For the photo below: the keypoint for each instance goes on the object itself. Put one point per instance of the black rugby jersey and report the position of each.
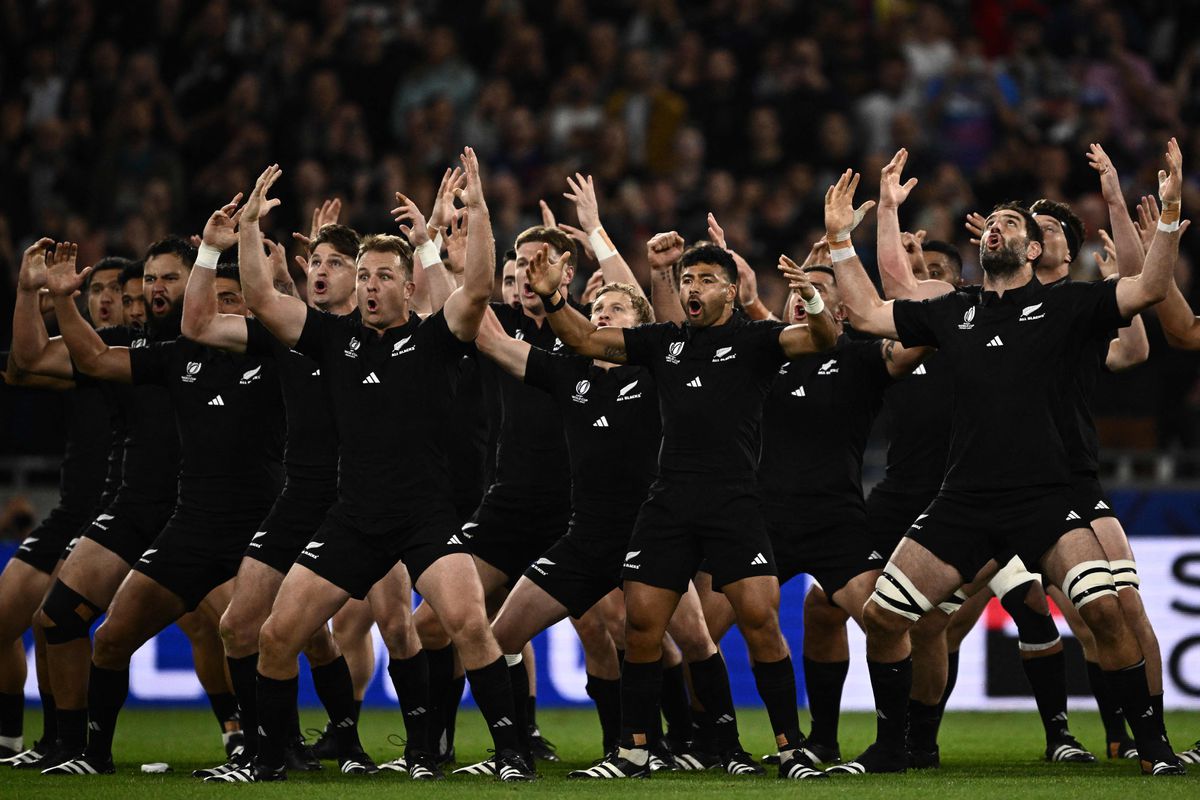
(916, 413)
(815, 425)
(150, 462)
(310, 456)
(712, 382)
(532, 464)
(612, 427)
(231, 425)
(1014, 360)
(392, 397)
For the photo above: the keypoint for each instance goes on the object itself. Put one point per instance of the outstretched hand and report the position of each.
(220, 231)
(472, 195)
(325, 214)
(32, 276)
(893, 193)
(544, 273)
(1170, 180)
(61, 278)
(974, 224)
(841, 217)
(583, 195)
(417, 232)
(1110, 182)
(797, 278)
(1106, 263)
(259, 205)
(443, 202)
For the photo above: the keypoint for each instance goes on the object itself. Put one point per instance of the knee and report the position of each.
(236, 635)
(274, 640)
(880, 622)
(321, 648)
(66, 615)
(1103, 617)
(110, 647)
(693, 641)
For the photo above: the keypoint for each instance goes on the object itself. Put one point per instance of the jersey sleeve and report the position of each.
(152, 364)
(1096, 304)
(644, 344)
(874, 370)
(767, 349)
(435, 331)
(314, 338)
(259, 341)
(916, 321)
(549, 371)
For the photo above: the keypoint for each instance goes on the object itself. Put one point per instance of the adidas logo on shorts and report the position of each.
(454, 540)
(758, 561)
(1101, 506)
(1072, 515)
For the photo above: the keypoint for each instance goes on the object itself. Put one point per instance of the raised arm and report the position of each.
(465, 306)
(284, 315)
(90, 353)
(33, 351)
(612, 265)
(1139, 293)
(662, 251)
(895, 267)
(868, 313)
(1127, 243)
(574, 329)
(201, 322)
(494, 342)
(433, 281)
(1130, 347)
(747, 279)
(820, 331)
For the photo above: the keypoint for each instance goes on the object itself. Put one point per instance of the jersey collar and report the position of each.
(1016, 295)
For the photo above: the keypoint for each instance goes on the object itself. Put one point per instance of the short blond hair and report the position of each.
(388, 243)
(645, 313)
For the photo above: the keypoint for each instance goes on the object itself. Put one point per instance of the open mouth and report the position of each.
(372, 304)
(799, 314)
(527, 290)
(319, 286)
(694, 307)
(159, 304)
(993, 240)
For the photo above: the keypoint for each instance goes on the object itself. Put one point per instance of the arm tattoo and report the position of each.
(888, 347)
(614, 351)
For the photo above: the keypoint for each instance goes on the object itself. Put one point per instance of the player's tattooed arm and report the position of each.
(901, 360)
(282, 314)
(467, 304)
(201, 322)
(662, 251)
(33, 350)
(574, 329)
(89, 352)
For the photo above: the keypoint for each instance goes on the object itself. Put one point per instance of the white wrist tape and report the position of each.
(428, 255)
(1168, 227)
(842, 254)
(601, 244)
(438, 242)
(207, 256)
(844, 234)
(814, 306)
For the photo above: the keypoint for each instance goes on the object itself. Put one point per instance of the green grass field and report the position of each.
(984, 756)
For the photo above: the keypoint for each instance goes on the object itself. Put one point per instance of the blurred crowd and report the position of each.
(121, 122)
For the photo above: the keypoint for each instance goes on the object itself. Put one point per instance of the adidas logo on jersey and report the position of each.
(995, 342)
(1027, 313)
(695, 382)
(601, 423)
(799, 392)
(250, 375)
(830, 367)
(371, 378)
(723, 354)
(624, 392)
(216, 401)
(758, 561)
(673, 352)
(398, 349)
(920, 370)
(875, 556)
(1072, 515)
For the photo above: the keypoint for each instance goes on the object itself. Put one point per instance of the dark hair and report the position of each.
(708, 253)
(509, 255)
(341, 238)
(946, 249)
(641, 306)
(229, 270)
(551, 236)
(135, 269)
(176, 246)
(387, 243)
(823, 268)
(1073, 228)
(107, 263)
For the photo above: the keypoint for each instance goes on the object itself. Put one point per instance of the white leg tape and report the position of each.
(896, 593)
(1010, 576)
(1088, 580)
(953, 602)
(1036, 648)
(1125, 574)
(512, 661)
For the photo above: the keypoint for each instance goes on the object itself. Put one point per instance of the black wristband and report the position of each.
(548, 304)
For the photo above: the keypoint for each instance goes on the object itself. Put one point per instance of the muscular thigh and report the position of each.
(94, 571)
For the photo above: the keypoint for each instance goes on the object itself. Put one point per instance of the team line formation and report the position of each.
(278, 474)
